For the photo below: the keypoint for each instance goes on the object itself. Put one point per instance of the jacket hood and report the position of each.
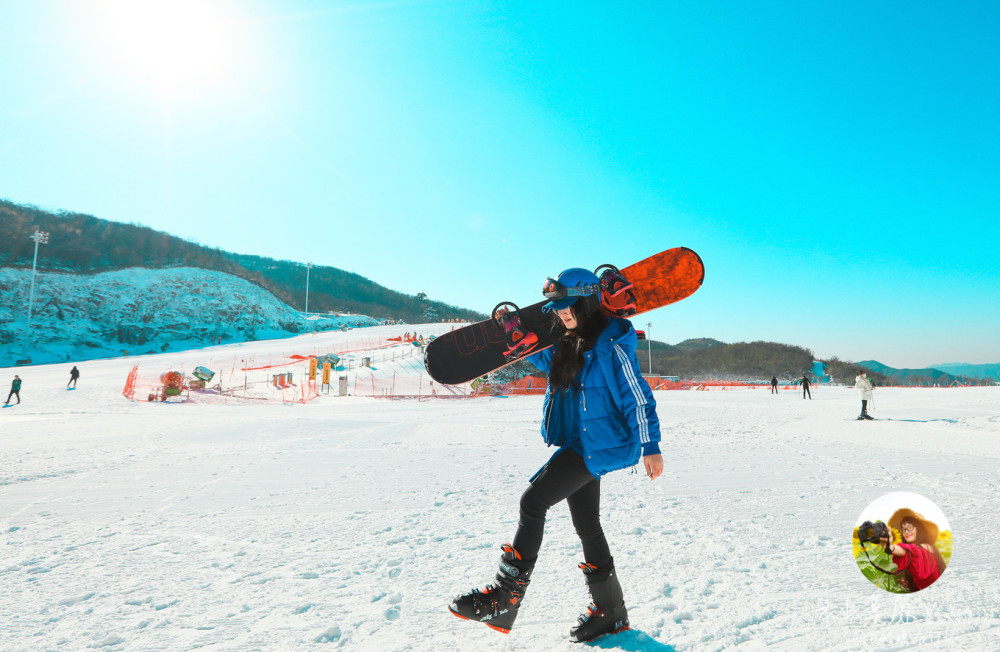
(619, 331)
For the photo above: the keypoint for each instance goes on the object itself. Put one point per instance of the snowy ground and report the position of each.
(351, 522)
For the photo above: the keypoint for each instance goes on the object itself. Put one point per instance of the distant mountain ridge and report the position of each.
(85, 244)
(926, 376)
(709, 359)
(990, 371)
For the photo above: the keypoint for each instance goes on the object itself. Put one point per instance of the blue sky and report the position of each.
(837, 165)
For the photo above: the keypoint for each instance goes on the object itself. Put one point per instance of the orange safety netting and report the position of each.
(723, 385)
(294, 378)
(129, 391)
(347, 348)
(526, 386)
(227, 386)
(384, 368)
(536, 385)
(406, 386)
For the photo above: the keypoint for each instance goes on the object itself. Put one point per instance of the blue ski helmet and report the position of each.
(573, 283)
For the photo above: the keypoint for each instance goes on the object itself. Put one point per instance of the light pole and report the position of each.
(308, 267)
(649, 345)
(40, 237)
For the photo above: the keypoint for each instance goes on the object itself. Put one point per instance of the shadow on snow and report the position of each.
(632, 640)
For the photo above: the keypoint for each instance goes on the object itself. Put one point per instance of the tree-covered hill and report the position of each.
(708, 359)
(86, 244)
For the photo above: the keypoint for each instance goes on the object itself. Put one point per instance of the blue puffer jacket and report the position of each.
(616, 408)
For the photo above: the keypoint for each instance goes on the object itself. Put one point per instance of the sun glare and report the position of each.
(170, 43)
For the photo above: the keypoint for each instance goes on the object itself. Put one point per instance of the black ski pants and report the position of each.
(16, 393)
(564, 478)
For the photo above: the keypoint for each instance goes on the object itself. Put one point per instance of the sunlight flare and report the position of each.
(170, 44)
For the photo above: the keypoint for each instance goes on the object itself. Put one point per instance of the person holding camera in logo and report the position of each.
(916, 555)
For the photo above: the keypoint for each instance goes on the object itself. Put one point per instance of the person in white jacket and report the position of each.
(864, 387)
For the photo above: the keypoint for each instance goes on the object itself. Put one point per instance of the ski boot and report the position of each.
(520, 341)
(496, 605)
(616, 291)
(606, 614)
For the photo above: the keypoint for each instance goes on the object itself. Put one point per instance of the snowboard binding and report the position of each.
(519, 340)
(616, 292)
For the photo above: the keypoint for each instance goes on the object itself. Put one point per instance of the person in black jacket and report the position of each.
(74, 374)
(15, 390)
(805, 388)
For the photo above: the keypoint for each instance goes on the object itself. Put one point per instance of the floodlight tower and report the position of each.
(308, 267)
(40, 237)
(649, 345)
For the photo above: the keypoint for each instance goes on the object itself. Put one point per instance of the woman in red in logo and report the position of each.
(917, 555)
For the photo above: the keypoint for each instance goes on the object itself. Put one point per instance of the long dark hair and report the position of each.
(567, 359)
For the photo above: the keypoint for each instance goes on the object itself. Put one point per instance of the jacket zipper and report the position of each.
(548, 427)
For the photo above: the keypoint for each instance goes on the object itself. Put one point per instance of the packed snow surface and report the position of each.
(351, 522)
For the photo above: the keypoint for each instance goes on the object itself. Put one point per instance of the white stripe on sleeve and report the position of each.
(640, 398)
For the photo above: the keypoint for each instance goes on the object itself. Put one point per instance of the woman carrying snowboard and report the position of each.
(601, 414)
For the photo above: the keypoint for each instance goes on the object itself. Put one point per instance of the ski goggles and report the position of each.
(554, 290)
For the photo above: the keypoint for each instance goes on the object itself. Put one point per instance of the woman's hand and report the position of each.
(891, 549)
(654, 465)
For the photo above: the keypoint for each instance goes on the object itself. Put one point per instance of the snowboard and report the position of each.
(475, 350)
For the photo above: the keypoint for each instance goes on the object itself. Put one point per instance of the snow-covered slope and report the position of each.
(82, 317)
(349, 523)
